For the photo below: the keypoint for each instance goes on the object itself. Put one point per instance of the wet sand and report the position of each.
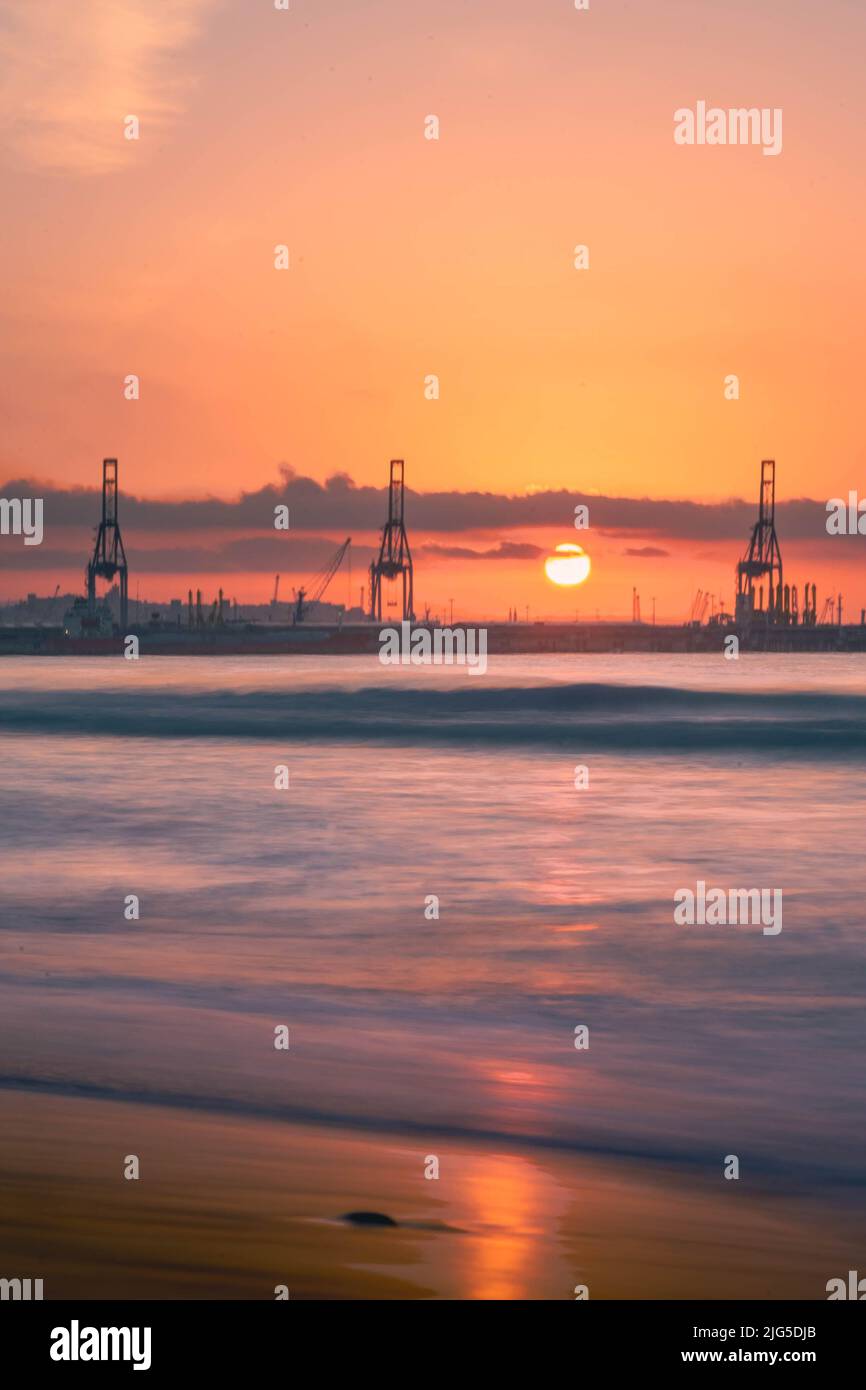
(229, 1208)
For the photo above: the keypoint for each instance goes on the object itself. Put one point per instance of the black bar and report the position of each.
(230, 1339)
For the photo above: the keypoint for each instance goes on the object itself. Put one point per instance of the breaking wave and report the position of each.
(621, 718)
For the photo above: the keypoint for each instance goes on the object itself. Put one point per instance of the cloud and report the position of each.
(340, 505)
(237, 534)
(241, 555)
(505, 550)
(72, 72)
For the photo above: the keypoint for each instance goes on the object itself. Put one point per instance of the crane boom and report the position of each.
(321, 581)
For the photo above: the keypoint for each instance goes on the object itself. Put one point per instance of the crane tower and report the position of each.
(395, 557)
(763, 559)
(109, 557)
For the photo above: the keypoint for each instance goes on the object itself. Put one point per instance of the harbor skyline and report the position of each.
(486, 550)
(155, 258)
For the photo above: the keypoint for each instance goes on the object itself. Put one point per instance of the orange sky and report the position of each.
(452, 257)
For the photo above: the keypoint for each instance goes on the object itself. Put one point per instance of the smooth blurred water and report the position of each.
(307, 906)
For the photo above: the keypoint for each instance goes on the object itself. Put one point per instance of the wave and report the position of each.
(841, 1170)
(620, 718)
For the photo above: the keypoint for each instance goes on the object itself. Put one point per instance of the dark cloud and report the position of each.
(271, 554)
(193, 535)
(506, 550)
(647, 552)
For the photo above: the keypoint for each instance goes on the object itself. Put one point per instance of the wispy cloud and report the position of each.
(72, 72)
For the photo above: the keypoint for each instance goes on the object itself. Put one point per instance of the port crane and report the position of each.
(320, 583)
(699, 607)
(827, 611)
(109, 557)
(395, 557)
(763, 560)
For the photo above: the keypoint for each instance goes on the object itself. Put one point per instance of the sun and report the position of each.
(569, 565)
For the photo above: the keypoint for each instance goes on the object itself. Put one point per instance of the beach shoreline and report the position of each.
(235, 1209)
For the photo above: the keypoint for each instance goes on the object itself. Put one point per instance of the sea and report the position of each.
(365, 982)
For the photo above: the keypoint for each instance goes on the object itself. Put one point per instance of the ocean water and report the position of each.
(412, 1034)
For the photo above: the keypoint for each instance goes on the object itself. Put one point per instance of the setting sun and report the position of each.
(569, 565)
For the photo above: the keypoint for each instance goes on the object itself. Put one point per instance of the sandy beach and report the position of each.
(225, 1209)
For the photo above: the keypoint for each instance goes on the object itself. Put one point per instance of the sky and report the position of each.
(411, 257)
